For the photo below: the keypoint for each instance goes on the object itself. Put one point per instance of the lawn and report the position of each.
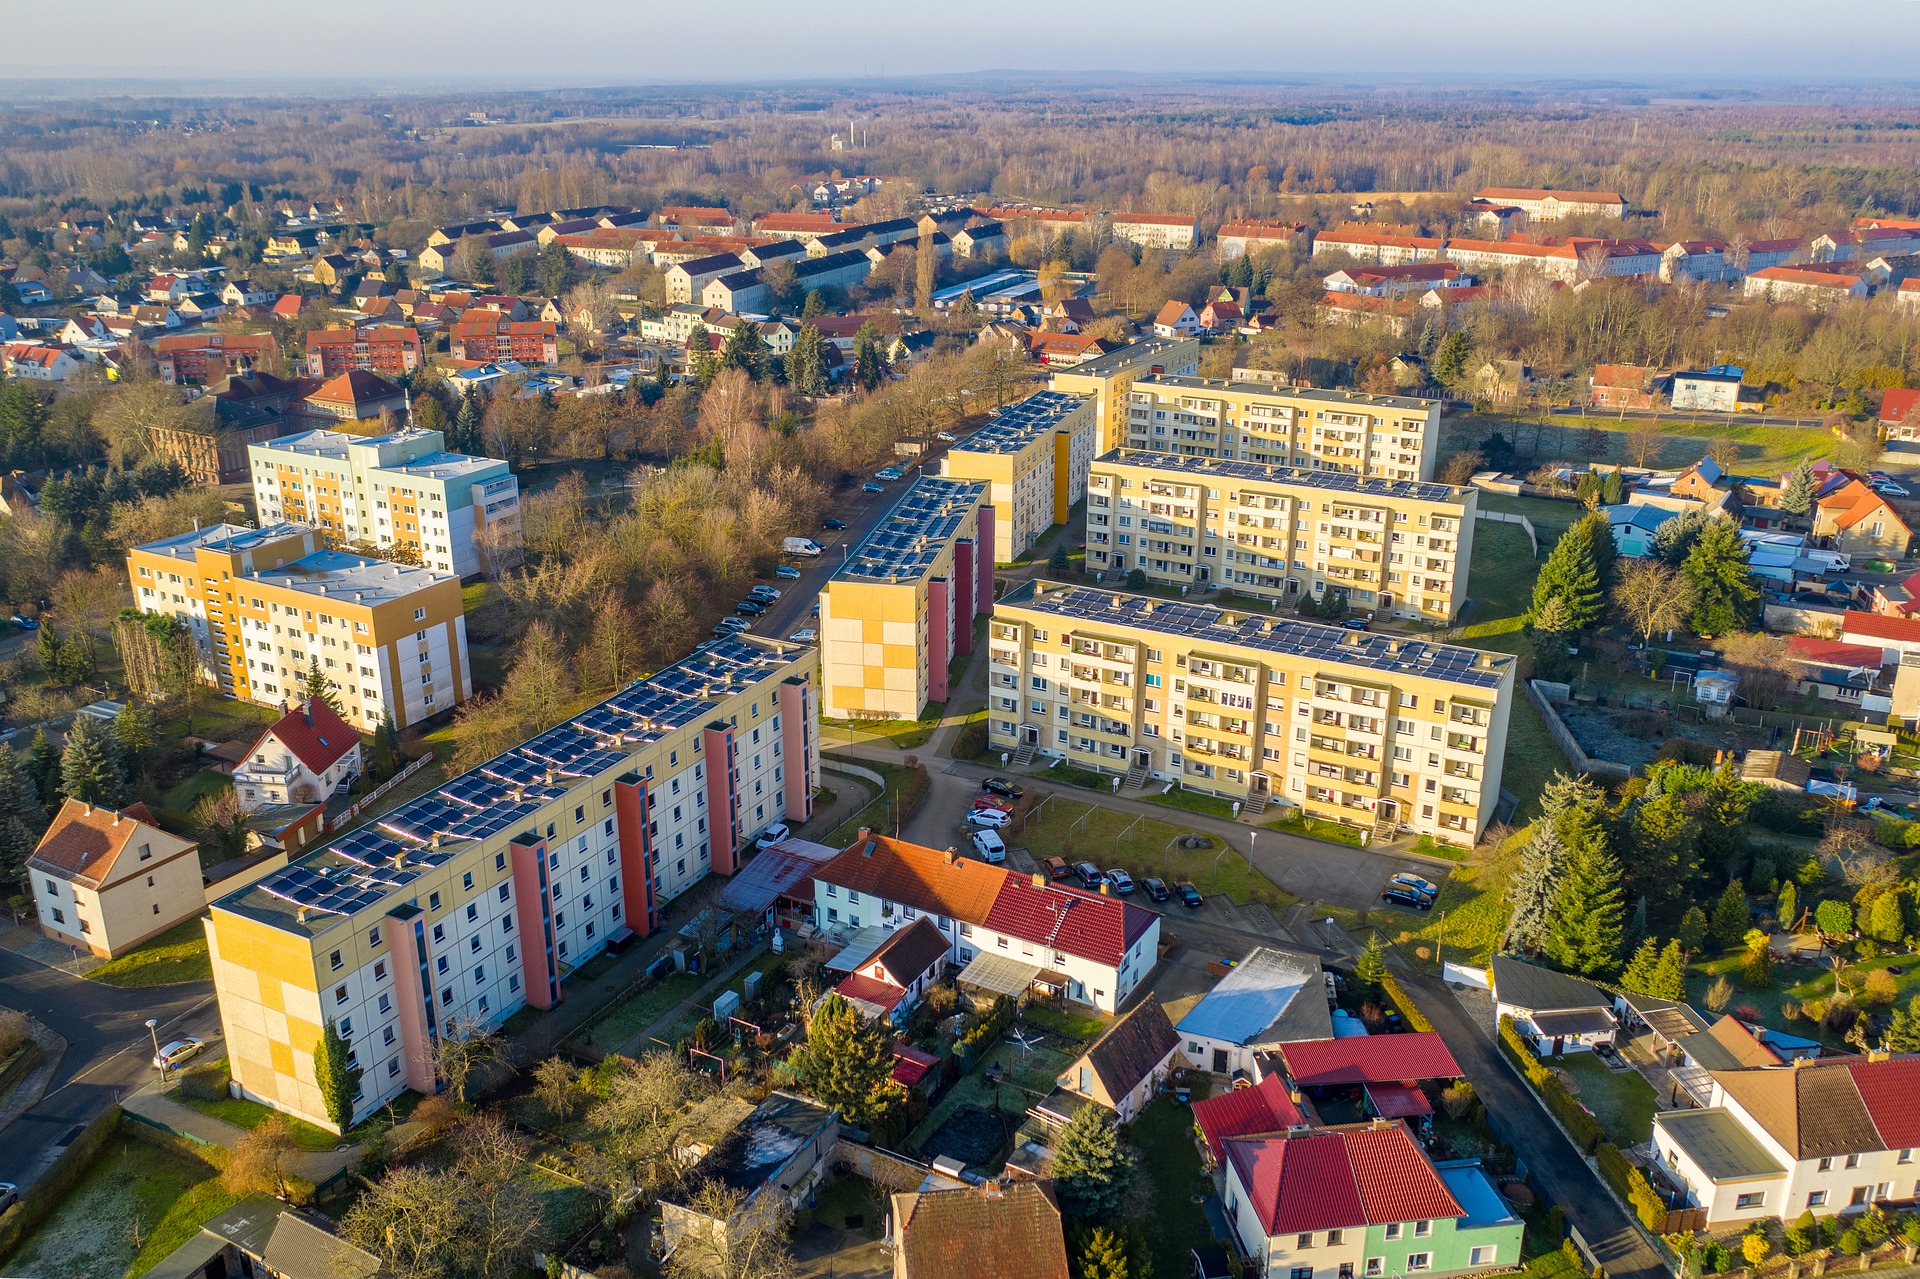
(1316, 828)
(1798, 983)
(1194, 802)
(1470, 915)
(1170, 1165)
(136, 1204)
(1623, 1101)
(906, 734)
(1758, 448)
(642, 1008)
(177, 955)
(242, 1113)
(1076, 830)
(221, 719)
(879, 814)
(181, 797)
(1074, 1025)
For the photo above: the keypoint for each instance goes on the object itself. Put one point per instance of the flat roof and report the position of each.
(336, 573)
(1319, 395)
(1188, 464)
(1293, 637)
(445, 466)
(333, 444)
(1255, 995)
(1719, 1145)
(1480, 1203)
(910, 537)
(1126, 357)
(364, 866)
(228, 538)
(1016, 426)
(777, 1130)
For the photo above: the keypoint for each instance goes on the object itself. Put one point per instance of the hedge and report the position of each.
(914, 793)
(980, 1037)
(1631, 1184)
(1398, 1001)
(1581, 1126)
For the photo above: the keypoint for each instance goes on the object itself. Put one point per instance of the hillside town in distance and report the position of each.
(658, 687)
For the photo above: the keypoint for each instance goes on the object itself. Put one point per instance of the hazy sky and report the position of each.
(645, 41)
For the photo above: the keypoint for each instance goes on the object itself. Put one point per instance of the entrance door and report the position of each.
(1559, 1044)
(1388, 810)
(1219, 1061)
(1142, 757)
(1260, 783)
(1032, 734)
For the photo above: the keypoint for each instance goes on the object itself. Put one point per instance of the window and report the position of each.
(1376, 1266)
(1395, 1229)
(505, 891)
(1303, 1240)
(1906, 1155)
(1817, 1198)
(380, 971)
(433, 901)
(1421, 1229)
(1853, 1161)
(1751, 1200)
(1335, 1237)
(1419, 1261)
(1487, 1254)
(386, 1036)
(1303, 1272)
(1826, 1165)
(393, 1068)
(386, 1004)
(339, 994)
(333, 961)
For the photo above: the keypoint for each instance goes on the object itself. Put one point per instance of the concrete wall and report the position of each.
(1563, 737)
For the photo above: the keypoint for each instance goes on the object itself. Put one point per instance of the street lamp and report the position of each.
(153, 1029)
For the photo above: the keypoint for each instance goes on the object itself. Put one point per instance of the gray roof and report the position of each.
(759, 883)
(1351, 400)
(1536, 989)
(1270, 997)
(1212, 468)
(1014, 427)
(1719, 1145)
(1428, 659)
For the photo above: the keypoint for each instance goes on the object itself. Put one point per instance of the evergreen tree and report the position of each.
(384, 759)
(1571, 574)
(1903, 1031)
(90, 765)
(43, 768)
(1588, 489)
(700, 365)
(1605, 555)
(1717, 567)
(847, 1062)
(22, 817)
(338, 1081)
(1729, 922)
(1429, 340)
(1723, 819)
(816, 304)
(1565, 792)
(1638, 979)
(807, 362)
(48, 648)
(1756, 968)
(466, 426)
(1450, 359)
(745, 349)
(1584, 933)
(1636, 924)
(1542, 865)
(1105, 1253)
(554, 267)
(1886, 922)
(1693, 930)
(1797, 497)
(869, 357)
(1612, 490)
(1670, 974)
(1662, 853)
(1788, 907)
(1674, 539)
(1091, 1169)
(318, 688)
(1369, 976)
(965, 307)
(133, 729)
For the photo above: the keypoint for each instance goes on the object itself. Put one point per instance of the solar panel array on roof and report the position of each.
(1331, 397)
(361, 867)
(1311, 640)
(1015, 426)
(1326, 481)
(910, 537)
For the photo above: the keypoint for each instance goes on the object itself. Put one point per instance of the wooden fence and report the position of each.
(378, 793)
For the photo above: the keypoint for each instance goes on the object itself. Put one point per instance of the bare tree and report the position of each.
(754, 1246)
(1767, 671)
(1643, 442)
(259, 1161)
(1652, 596)
(465, 1045)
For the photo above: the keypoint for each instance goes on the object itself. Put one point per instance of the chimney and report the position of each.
(991, 1190)
(306, 712)
(300, 914)
(1039, 880)
(861, 838)
(88, 807)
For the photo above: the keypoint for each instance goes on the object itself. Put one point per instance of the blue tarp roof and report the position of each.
(1259, 991)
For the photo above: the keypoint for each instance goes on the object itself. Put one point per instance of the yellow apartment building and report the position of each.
(263, 604)
(1377, 731)
(1392, 437)
(1109, 377)
(464, 905)
(902, 605)
(1034, 457)
(1394, 547)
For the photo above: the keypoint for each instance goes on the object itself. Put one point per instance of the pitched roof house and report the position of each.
(1176, 319)
(1269, 998)
(105, 880)
(894, 978)
(1270, 1106)
(1851, 517)
(1554, 1012)
(1010, 1230)
(1121, 1069)
(307, 756)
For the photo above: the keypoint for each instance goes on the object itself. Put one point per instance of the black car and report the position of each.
(1394, 896)
(750, 608)
(1188, 894)
(833, 524)
(1002, 787)
(1156, 888)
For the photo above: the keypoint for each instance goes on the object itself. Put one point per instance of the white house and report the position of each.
(1826, 1134)
(1009, 932)
(105, 880)
(1177, 320)
(1268, 999)
(892, 980)
(1122, 1069)
(1552, 1011)
(306, 757)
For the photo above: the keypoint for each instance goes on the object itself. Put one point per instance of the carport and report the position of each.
(996, 975)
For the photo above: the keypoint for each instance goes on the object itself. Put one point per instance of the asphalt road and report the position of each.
(109, 1050)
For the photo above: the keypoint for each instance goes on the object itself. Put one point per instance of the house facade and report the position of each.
(105, 880)
(305, 758)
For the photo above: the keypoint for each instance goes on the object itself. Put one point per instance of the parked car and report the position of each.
(1189, 895)
(1425, 887)
(992, 849)
(1397, 896)
(1121, 881)
(805, 635)
(733, 623)
(787, 571)
(946, 437)
(9, 1195)
(992, 818)
(1002, 787)
(764, 593)
(24, 622)
(750, 608)
(833, 524)
(1089, 874)
(773, 834)
(1056, 867)
(726, 632)
(994, 802)
(1156, 888)
(1887, 488)
(888, 473)
(873, 486)
(180, 1050)
(1355, 623)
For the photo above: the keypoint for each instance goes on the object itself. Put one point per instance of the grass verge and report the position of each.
(1623, 1101)
(1076, 830)
(1205, 805)
(135, 1198)
(242, 1113)
(877, 815)
(177, 955)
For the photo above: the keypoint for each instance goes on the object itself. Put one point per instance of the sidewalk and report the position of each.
(30, 943)
(28, 1092)
(701, 998)
(152, 1104)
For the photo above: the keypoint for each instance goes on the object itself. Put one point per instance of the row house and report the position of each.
(1373, 246)
(1156, 230)
(1864, 242)
(1242, 236)
(1390, 281)
(615, 248)
(37, 362)
(1570, 260)
(197, 359)
(1806, 286)
(392, 350)
(1544, 204)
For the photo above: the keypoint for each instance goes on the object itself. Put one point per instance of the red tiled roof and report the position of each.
(1803, 275)
(1266, 1107)
(923, 878)
(1396, 1179)
(1903, 630)
(1367, 1059)
(317, 736)
(1090, 925)
(1891, 1091)
(1832, 652)
(1630, 376)
(1257, 229)
(1171, 312)
(1898, 404)
(355, 386)
(85, 840)
(883, 995)
(1299, 1183)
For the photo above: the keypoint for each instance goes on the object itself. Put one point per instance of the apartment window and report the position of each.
(499, 861)
(1853, 1161)
(1753, 1199)
(1303, 1272)
(466, 881)
(1906, 1155)
(1421, 1229)
(1335, 1237)
(1817, 1198)
(386, 1036)
(1376, 1266)
(473, 911)
(1826, 1165)
(1419, 1261)
(419, 614)
(386, 1004)
(380, 971)
(433, 901)
(333, 961)
(1304, 1241)
(505, 891)
(1395, 1229)
(339, 994)
(1486, 1254)
(393, 1067)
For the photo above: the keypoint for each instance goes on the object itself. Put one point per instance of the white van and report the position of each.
(992, 849)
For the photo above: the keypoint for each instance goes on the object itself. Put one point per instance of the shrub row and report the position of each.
(1581, 1126)
(1631, 1184)
(914, 793)
(1398, 1001)
(982, 1034)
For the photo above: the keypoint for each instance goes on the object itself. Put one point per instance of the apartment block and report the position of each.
(1034, 456)
(1109, 377)
(895, 614)
(392, 350)
(449, 511)
(1395, 547)
(464, 905)
(263, 604)
(1392, 437)
(1377, 731)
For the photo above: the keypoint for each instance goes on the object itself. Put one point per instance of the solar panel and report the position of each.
(1191, 466)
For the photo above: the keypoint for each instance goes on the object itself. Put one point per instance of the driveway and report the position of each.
(1557, 1169)
(108, 1050)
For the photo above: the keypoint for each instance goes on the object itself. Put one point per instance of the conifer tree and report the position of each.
(318, 688)
(133, 728)
(807, 362)
(90, 765)
(1788, 906)
(43, 767)
(1670, 974)
(1903, 1031)
(1886, 921)
(847, 1063)
(1717, 567)
(1605, 555)
(1729, 922)
(1370, 970)
(1531, 893)
(1636, 925)
(1638, 978)
(1797, 497)
(1612, 488)
(1583, 935)
(869, 357)
(1693, 930)
(1091, 1170)
(1570, 574)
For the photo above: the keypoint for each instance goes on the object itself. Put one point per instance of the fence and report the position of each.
(378, 793)
(1563, 737)
(1507, 517)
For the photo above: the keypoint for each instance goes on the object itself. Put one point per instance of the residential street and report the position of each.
(108, 1050)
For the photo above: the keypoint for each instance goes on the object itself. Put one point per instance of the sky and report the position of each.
(621, 42)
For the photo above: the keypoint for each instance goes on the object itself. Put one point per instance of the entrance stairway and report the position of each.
(1256, 804)
(1136, 778)
(1023, 756)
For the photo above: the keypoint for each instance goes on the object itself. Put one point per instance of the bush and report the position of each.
(1802, 1236)
(15, 1030)
(1581, 1126)
(971, 741)
(1458, 1099)
(205, 1082)
(1881, 987)
(914, 793)
(1834, 917)
(1398, 1001)
(1632, 1185)
(1850, 1241)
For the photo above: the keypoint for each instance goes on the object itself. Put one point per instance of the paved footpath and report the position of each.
(152, 1103)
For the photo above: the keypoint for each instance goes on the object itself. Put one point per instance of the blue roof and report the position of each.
(1480, 1203)
(1256, 994)
(1638, 515)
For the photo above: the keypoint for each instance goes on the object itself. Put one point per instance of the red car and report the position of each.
(994, 802)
